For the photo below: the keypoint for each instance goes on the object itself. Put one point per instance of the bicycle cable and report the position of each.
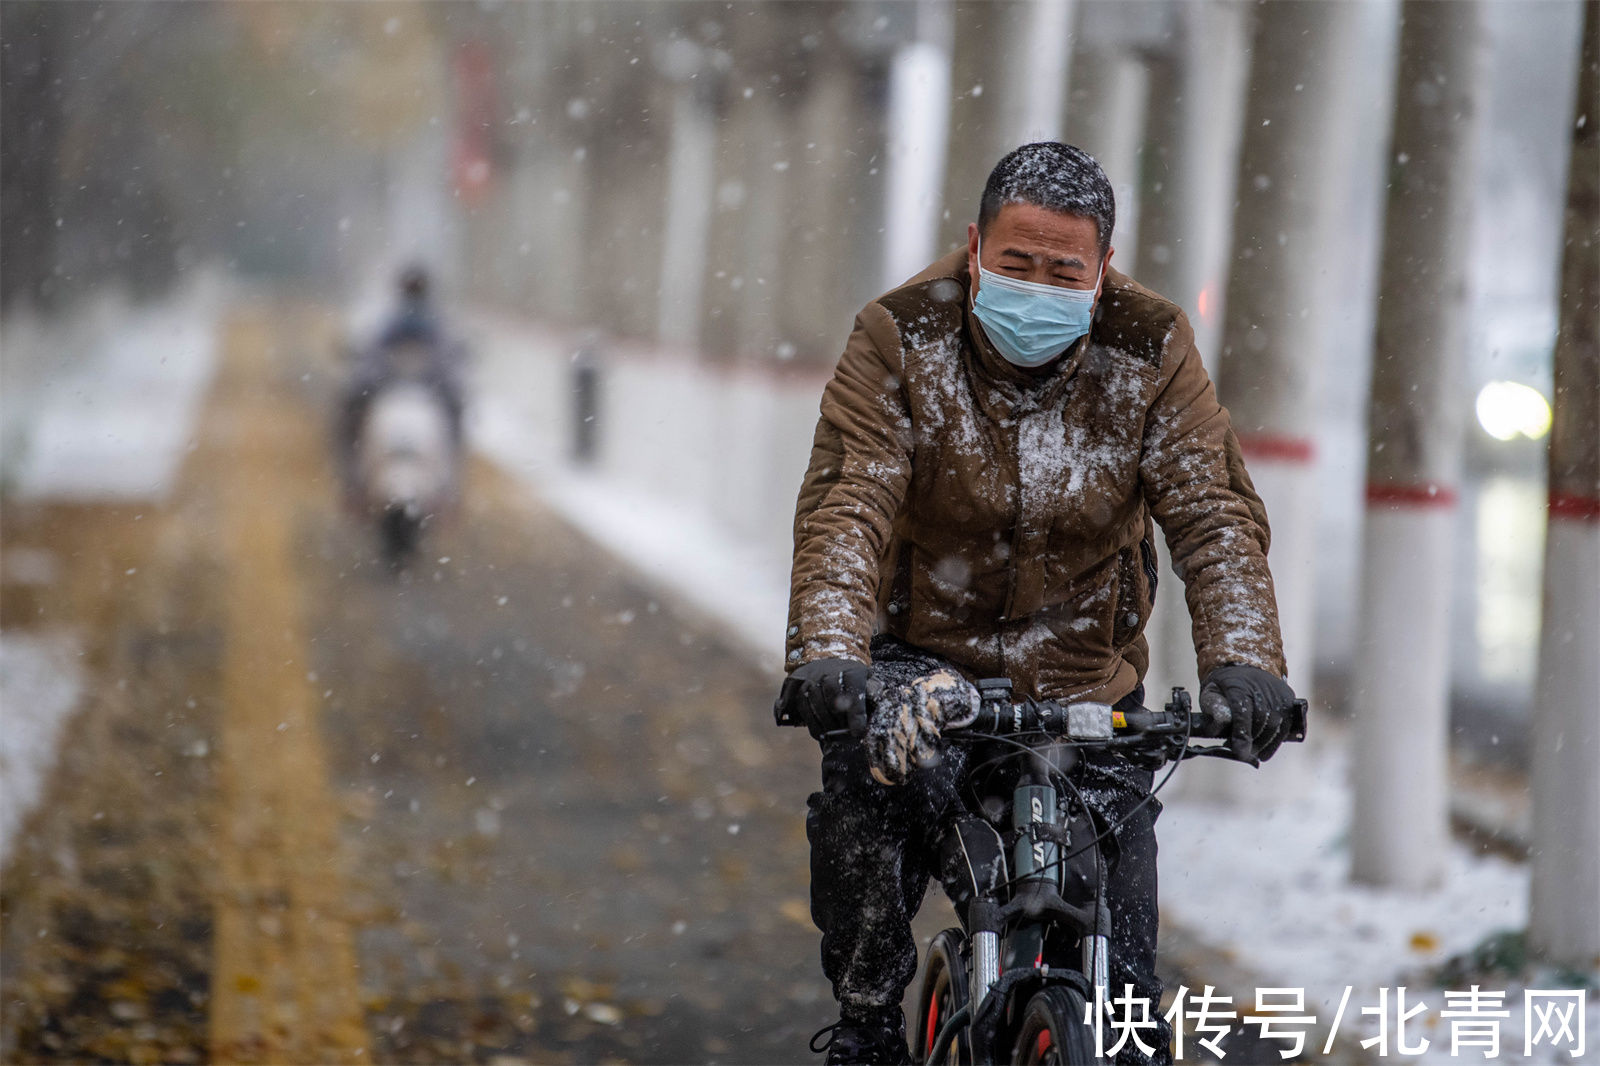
(1100, 887)
(1051, 771)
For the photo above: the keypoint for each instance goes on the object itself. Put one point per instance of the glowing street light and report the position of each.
(1509, 409)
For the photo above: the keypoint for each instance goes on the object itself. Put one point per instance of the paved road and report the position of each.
(505, 806)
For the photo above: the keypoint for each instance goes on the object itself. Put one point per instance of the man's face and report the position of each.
(1036, 244)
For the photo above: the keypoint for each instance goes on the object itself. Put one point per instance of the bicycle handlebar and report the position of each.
(1089, 722)
(1097, 724)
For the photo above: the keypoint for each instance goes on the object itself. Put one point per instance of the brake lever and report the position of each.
(783, 707)
(1297, 722)
(1219, 751)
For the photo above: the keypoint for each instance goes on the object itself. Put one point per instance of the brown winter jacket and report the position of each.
(1004, 521)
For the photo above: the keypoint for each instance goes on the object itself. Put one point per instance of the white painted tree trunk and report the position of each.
(1175, 131)
(691, 192)
(1401, 740)
(1279, 289)
(1009, 68)
(1564, 899)
(1106, 119)
(1399, 745)
(1286, 192)
(1219, 46)
(918, 124)
(1037, 62)
(1564, 896)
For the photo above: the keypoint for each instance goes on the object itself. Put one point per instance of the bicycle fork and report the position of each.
(985, 964)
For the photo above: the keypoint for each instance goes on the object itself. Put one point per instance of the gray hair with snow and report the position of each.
(1055, 176)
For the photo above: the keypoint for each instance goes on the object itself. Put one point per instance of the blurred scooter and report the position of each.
(398, 426)
(406, 461)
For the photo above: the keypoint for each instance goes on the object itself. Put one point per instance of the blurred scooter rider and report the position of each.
(414, 320)
(1000, 438)
(414, 346)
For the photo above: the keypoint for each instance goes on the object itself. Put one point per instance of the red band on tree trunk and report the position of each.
(1571, 505)
(1427, 494)
(1278, 448)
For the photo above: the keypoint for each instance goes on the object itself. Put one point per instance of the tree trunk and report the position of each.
(817, 300)
(1400, 830)
(1009, 88)
(1279, 297)
(1036, 87)
(1191, 141)
(691, 192)
(1564, 903)
(31, 107)
(1105, 118)
(919, 124)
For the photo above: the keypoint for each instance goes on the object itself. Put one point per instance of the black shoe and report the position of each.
(881, 1042)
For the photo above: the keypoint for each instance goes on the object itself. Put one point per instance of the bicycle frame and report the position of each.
(1016, 924)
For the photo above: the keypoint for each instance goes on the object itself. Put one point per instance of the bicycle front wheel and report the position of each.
(942, 994)
(1054, 1032)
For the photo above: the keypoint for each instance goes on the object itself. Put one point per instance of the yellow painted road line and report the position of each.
(285, 984)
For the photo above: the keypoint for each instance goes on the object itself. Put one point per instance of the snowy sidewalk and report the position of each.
(105, 401)
(99, 406)
(41, 682)
(1269, 885)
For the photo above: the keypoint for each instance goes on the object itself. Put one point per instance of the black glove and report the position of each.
(1259, 704)
(830, 694)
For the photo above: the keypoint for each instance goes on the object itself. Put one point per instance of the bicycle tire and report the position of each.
(1053, 1031)
(942, 992)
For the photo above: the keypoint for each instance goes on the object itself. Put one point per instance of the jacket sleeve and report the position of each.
(860, 468)
(1196, 486)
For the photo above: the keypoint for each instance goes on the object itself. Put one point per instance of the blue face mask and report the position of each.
(1029, 323)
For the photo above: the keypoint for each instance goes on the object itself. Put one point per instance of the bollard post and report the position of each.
(585, 406)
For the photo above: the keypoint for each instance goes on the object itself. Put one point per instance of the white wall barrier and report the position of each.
(695, 470)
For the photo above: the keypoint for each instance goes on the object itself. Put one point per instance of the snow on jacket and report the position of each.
(1003, 521)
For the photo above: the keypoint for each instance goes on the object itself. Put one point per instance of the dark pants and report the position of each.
(874, 847)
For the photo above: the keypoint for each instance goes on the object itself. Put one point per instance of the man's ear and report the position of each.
(972, 255)
(1104, 264)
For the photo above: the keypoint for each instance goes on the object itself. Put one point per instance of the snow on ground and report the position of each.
(1270, 884)
(99, 405)
(40, 685)
(105, 402)
(1273, 882)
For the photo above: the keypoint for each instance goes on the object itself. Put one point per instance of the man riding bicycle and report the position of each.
(999, 439)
